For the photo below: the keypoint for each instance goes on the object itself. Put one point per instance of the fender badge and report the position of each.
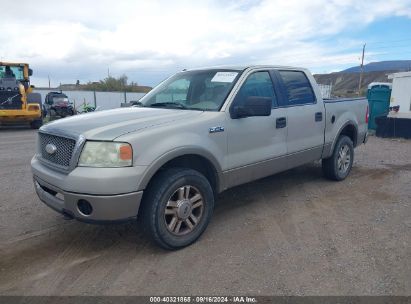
(216, 129)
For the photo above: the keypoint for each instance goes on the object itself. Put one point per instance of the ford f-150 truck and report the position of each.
(196, 134)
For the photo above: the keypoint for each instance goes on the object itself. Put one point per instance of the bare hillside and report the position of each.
(346, 84)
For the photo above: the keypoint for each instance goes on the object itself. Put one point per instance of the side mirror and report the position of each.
(252, 106)
(30, 72)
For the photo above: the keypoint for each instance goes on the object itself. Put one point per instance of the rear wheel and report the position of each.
(177, 207)
(36, 124)
(339, 165)
(70, 111)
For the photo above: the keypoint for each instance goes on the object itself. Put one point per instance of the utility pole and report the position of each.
(362, 69)
(48, 76)
(108, 72)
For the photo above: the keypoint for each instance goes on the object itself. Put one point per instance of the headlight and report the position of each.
(106, 154)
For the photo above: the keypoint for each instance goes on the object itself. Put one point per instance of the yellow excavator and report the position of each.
(18, 103)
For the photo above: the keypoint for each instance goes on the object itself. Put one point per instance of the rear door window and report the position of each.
(298, 88)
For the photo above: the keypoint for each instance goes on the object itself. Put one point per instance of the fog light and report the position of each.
(84, 207)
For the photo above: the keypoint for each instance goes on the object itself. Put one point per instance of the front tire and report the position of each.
(177, 207)
(339, 165)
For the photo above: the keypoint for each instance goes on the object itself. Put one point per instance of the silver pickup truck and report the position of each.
(193, 136)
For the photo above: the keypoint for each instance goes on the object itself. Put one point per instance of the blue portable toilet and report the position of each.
(378, 96)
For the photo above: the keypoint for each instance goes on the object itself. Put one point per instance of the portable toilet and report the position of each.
(379, 102)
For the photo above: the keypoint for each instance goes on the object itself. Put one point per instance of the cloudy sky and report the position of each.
(148, 40)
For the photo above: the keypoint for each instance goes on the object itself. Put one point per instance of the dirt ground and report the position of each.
(294, 233)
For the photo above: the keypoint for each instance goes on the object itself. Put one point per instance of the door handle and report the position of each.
(318, 116)
(280, 122)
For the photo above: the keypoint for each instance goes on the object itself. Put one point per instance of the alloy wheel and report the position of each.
(184, 210)
(344, 159)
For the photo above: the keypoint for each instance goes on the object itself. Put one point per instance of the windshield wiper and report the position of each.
(137, 104)
(172, 104)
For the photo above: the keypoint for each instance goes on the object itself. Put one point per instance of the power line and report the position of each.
(391, 46)
(389, 41)
(386, 52)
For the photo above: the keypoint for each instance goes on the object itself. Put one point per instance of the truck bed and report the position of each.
(340, 111)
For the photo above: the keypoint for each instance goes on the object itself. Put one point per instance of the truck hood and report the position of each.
(110, 124)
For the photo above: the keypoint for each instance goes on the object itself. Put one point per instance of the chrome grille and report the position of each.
(64, 152)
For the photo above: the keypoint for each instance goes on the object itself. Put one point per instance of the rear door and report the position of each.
(306, 117)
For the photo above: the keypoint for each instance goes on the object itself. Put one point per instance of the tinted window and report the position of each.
(257, 84)
(298, 88)
(11, 72)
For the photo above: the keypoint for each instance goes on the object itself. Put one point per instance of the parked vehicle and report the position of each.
(57, 104)
(195, 135)
(18, 103)
(87, 108)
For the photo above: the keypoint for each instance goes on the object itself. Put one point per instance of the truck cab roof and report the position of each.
(244, 67)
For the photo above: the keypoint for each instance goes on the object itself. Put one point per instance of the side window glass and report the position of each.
(257, 84)
(298, 87)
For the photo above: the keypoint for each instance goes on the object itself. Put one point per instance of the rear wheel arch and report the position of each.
(348, 129)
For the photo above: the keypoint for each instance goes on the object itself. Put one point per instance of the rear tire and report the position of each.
(177, 207)
(70, 112)
(36, 124)
(339, 165)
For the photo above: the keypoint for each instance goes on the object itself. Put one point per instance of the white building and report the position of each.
(401, 91)
(325, 90)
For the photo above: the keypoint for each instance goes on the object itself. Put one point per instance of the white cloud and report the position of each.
(79, 40)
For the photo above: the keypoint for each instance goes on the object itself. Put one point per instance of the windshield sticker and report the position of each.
(224, 77)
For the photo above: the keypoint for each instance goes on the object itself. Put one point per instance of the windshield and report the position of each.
(15, 72)
(203, 90)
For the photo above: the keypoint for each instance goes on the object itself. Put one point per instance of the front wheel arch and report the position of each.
(190, 159)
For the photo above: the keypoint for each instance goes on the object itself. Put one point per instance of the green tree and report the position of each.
(111, 83)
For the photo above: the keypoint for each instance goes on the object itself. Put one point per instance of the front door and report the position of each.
(256, 144)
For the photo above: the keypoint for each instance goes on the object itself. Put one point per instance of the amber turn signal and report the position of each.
(126, 153)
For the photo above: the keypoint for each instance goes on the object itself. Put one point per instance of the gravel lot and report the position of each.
(290, 234)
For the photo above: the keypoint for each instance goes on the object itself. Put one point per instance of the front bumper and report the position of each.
(16, 116)
(105, 208)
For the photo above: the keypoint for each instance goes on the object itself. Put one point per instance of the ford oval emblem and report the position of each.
(51, 149)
